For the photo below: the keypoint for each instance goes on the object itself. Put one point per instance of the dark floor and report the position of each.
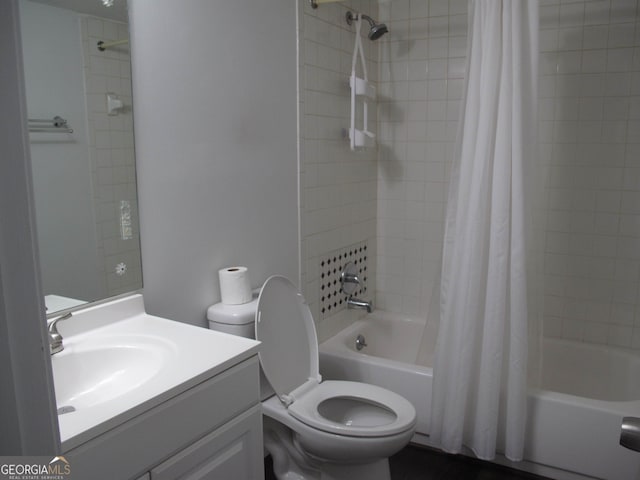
(417, 463)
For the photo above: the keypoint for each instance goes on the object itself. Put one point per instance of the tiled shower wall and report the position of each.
(337, 186)
(112, 154)
(590, 140)
(421, 79)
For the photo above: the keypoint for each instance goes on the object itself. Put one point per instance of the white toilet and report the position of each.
(329, 430)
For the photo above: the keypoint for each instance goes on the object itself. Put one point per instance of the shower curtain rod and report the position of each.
(102, 46)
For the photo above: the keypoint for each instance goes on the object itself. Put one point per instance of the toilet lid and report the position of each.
(284, 325)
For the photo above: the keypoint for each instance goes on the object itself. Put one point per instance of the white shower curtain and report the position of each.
(480, 371)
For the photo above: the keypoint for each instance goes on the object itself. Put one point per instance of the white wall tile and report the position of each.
(619, 336)
(592, 253)
(595, 332)
(418, 8)
(595, 37)
(596, 13)
(338, 187)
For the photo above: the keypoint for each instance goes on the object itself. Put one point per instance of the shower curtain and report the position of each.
(480, 370)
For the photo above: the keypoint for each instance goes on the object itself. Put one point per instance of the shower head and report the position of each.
(376, 30)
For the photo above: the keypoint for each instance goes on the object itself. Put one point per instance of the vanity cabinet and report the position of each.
(226, 453)
(210, 431)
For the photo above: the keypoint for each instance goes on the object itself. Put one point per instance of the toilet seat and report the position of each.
(289, 359)
(359, 409)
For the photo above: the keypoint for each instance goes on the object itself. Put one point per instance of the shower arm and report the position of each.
(351, 17)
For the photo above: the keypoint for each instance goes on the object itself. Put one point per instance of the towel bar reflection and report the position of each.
(315, 3)
(102, 46)
(56, 124)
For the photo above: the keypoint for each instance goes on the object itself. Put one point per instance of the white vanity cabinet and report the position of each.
(229, 452)
(212, 431)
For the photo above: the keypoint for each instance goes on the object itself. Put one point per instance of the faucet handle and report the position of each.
(349, 278)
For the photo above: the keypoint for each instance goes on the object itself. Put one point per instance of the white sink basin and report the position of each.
(118, 362)
(99, 368)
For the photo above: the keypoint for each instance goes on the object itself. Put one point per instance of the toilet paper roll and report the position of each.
(235, 288)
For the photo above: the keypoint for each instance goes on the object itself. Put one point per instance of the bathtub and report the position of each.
(573, 424)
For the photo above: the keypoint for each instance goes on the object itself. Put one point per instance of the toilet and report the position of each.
(314, 429)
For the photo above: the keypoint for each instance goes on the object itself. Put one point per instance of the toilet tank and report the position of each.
(234, 319)
(239, 320)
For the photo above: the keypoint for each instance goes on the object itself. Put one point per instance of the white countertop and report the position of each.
(188, 355)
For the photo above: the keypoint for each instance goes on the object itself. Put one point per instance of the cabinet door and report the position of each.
(233, 451)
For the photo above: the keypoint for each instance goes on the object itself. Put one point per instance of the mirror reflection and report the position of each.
(81, 137)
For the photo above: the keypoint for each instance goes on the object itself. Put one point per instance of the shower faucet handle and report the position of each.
(349, 279)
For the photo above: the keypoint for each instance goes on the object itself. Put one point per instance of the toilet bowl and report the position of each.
(344, 428)
(314, 429)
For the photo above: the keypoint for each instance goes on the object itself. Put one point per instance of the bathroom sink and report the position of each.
(97, 368)
(119, 362)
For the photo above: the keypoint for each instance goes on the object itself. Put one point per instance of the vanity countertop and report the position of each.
(118, 362)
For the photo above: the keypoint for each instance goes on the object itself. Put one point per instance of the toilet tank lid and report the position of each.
(233, 314)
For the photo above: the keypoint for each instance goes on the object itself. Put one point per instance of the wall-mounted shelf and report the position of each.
(362, 138)
(362, 87)
(364, 92)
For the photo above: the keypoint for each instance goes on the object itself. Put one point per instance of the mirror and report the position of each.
(81, 137)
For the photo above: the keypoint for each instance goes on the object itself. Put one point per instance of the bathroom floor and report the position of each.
(417, 463)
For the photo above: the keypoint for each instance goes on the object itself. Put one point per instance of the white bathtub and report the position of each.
(573, 423)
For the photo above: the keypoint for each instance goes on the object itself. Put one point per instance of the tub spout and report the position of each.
(357, 303)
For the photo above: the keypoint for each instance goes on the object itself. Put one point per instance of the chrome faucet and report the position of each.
(55, 339)
(350, 281)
